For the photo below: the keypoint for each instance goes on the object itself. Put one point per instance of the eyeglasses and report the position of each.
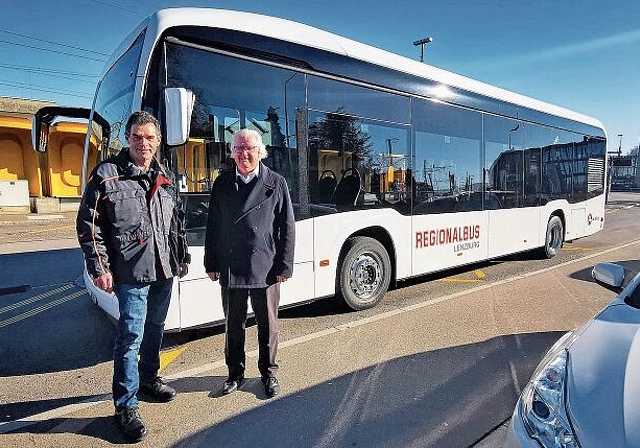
(241, 149)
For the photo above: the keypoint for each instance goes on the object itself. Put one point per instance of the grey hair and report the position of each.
(255, 137)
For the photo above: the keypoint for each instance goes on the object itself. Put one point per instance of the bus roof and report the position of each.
(298, 33)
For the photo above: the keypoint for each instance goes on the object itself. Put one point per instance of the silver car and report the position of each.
(586, 391)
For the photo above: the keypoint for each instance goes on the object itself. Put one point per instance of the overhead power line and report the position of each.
(89, 58)
(46, 70)
(113, 5)
(13, 33)
(46, 89)
(54, 75)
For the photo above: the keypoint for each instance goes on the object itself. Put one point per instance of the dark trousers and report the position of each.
(265, 302)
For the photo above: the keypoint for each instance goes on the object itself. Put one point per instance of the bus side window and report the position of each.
(447, 158)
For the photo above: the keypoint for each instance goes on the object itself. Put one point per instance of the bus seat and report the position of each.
(347, 190)
(326, 186)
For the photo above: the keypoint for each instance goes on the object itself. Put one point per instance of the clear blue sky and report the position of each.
(580, 54)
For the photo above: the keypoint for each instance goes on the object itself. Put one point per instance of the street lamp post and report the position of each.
(422, 43)
(620, 146)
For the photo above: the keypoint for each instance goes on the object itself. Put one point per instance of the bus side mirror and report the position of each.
(39, 134)
(43, 118)
(178, 106)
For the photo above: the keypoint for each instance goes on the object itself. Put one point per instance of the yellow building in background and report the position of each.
(54, 178)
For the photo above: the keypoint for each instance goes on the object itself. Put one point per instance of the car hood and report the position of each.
(603, 379)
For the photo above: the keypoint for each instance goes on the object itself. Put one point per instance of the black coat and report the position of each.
(250, 241)
(129, 223)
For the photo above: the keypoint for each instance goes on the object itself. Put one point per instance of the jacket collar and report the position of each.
(266, 175)
(262, 191)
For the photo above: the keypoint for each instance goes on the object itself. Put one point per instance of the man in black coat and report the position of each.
(249, 248)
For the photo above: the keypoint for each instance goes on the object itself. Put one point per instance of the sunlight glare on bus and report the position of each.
(441, 91)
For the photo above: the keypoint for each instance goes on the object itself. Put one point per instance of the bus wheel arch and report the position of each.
(364, 272)
(554, 235)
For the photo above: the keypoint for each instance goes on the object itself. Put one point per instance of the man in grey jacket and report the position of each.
(131, 230)
(249, 247)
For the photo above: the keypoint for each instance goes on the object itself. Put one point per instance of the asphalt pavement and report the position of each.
(33, 231)
(374, 379)
(26, 240)
(424, 375)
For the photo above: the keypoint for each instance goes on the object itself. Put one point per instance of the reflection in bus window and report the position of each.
(504, 159)
(447, 154)
(266, 100)
(529, 165)
(360, 163)
(115, 96)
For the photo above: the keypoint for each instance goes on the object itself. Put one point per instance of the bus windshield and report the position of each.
(114, 97)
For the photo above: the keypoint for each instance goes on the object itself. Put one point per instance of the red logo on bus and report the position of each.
(449, 235)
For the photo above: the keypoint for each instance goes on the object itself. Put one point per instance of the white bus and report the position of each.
(396, 168)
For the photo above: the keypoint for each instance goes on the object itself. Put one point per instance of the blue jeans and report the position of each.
(143, 310)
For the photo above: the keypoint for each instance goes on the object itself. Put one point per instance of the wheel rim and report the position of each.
(554, 238)
(365, 276)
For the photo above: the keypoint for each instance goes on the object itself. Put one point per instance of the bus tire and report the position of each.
(364, 273)
(554, 237)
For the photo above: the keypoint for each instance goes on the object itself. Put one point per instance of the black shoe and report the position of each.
(131, 424)
(158, 389)
(232, 385)
(271, 386)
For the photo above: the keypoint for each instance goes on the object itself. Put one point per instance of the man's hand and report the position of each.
(281, 278)
(184, 270)
(104, 282)
(214, 276)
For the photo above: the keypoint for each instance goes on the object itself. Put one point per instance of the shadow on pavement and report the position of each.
(429, 399)
(40, 268)
(631, 268)
(15, 411)
(448, 397)
(52, 330)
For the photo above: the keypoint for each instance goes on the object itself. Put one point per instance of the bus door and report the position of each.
(449, 223)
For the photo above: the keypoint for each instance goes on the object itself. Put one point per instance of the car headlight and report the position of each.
(543, 403)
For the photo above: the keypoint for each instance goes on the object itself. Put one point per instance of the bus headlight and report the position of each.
(543, 404)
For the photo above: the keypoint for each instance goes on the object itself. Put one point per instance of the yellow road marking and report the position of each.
(51, 229)
(479, 273)
(167, 357)
(33, 299)
(460, 280)
(40, 309)
(570, 248)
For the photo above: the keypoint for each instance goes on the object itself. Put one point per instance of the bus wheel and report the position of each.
(554, 238)
(365, 273)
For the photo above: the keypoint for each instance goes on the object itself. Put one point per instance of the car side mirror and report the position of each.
(178, 106)
(610, 274)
